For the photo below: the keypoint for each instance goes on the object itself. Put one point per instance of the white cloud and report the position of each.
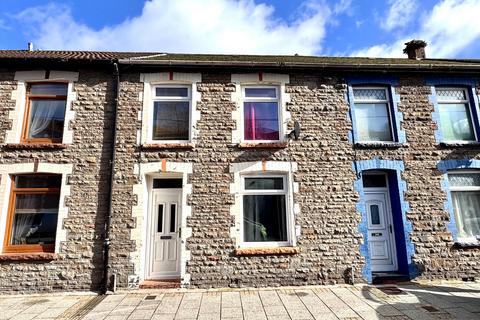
(448, 28)
(209, 26)
(399, 15)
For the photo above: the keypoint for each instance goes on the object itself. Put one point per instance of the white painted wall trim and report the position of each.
(263, 167)
(244, 79)
(150, 80)
(5, 183)
(147, 172)
(19, 96)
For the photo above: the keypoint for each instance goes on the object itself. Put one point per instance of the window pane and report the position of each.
(464, 179)
(35, 219)
(167, 183)
(173, 217)
(171, 120)
(55, 89)
(450, 94)
(369, 94)
(39, 181)
(160, 218)
(467, 213)
(264, 218)
(171, 92)
(374, 181)
(261, 121)
(261, 92)
(373, 122)
(374, 214)
(46, 119)
(455, 122)
(263, 183)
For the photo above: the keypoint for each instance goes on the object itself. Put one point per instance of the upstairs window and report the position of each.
(45, 116)
(455, 114)
(265, 217)
(171, 113)
(33, 213)
(465, 192)
(372, 114)
(261, 120)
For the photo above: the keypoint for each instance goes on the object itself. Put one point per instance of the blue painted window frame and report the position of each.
(396, 166)
(446, 166)
(397, 117)
(470, 85)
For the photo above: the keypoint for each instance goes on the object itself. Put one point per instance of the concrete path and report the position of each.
(409, 301)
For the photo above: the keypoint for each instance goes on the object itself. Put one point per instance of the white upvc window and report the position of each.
(261, 116)
(170, 114)
(266, 217)
(373, 117)
(465, 194)
(455, 117)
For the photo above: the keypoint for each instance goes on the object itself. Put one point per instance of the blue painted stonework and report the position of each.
(397, 117)
(393, 167)
(444, 166)
(468, 83)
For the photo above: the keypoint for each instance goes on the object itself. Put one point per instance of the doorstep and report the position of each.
(160, 284)
(389, 277)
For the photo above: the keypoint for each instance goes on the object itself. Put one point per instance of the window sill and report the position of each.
(160, 146)
(266, 251)
(28, 256)
(380, 145)
(468, 244)
(471, 144)
(35, 146)
(262, 145)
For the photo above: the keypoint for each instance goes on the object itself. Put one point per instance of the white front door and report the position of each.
(164, 246)
(381, 238)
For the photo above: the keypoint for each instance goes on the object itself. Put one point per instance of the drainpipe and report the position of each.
(106, 240)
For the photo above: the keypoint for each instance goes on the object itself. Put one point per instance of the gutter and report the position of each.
(343, 66)
(108, 218)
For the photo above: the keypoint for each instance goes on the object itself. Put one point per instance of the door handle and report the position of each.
(390, 228)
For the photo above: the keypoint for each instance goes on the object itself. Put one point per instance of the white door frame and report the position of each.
(150, 227)
(389, 215)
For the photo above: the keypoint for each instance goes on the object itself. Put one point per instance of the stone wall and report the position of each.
(79, 262)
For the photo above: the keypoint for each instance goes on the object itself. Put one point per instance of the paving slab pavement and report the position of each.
(417, 301)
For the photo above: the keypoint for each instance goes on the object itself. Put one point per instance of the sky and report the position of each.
(371, 28)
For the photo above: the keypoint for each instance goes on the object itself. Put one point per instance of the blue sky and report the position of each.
(313, 27)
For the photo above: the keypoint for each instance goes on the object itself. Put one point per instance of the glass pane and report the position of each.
(374, 181)
(264, 218)
(263, 183)
(167, 183)
(261, 121)
(171, 92)
(450, 94)
(260, 92)
(171, 120)
(464, 179)
(46, 119)
(374, 214)
(173, 217)
(55, 89)
(455, 122)
(35, 219)
(39, 181)
(373, 122)
(370, 94)
(160, 218)
(467, 212)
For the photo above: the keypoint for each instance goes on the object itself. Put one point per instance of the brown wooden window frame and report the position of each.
(25, 248)
(26, 121)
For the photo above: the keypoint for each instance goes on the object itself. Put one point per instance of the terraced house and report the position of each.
(152, 169)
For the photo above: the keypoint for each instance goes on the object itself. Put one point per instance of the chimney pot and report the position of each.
(415, 49)
(30, 46)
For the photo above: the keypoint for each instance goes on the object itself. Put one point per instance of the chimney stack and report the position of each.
(30, 46)
(415, 49)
